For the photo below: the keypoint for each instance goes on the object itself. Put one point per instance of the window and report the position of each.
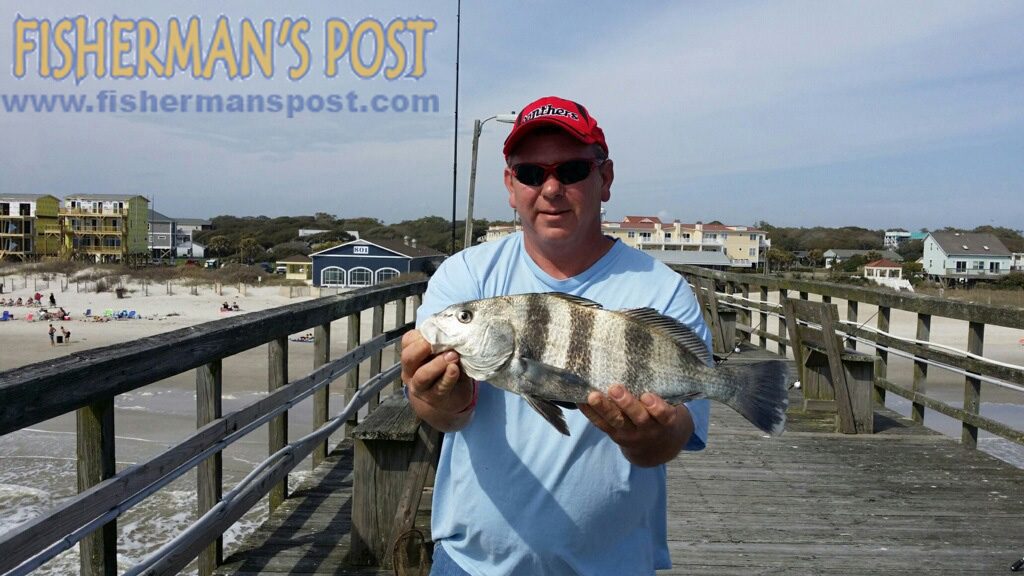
(332, 276)
(386, 274)
(961, 266)
(668, 236)
(630, 234)
(686, 237)
(979, 265)
(646, 236)
(360, 277)
(993, 267)
(751, 251)
(711, 236)
(753, 237)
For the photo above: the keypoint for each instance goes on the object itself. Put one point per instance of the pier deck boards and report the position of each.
(902, 501)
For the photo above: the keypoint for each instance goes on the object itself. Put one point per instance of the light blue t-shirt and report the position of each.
(512, 495)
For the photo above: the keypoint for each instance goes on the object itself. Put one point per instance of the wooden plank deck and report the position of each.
(902, 501)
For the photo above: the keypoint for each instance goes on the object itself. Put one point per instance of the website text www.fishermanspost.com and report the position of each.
(147, 102)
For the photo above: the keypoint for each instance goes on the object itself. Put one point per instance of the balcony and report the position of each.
(96, 230)
(976, 272)
(94, 212)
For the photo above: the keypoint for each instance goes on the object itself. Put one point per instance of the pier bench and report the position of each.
(833, 378)
(395, 455)
(721, 319)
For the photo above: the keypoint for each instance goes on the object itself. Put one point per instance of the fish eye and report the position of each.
(464, 316)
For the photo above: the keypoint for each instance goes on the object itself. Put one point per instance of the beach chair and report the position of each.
(131, 315)
(108, 313)
(30, 318)
(88, 312)
(6, 316)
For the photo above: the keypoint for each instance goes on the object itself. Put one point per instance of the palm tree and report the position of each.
(248, 248)
(219, 245)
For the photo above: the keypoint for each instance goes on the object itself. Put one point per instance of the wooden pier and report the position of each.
(850, 488)
(900, 501)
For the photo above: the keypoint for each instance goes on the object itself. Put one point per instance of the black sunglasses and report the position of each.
(568, 172)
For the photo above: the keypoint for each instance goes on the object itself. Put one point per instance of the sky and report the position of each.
(874, 114)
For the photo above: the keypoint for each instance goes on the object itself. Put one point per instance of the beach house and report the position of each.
(366, 262)
(28, 226)
(965, 256)
(105, 228)
(744, 246)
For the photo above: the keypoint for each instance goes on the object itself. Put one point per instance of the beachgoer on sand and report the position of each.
(66, 334)
(52, 332)
(53, 301)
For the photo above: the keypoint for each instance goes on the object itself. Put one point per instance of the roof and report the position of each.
(105, 197)
(295, 259)
(25, 197)
(843, 253)
(155, 216)
(692, 257)
(970, 244)
(640, 222)
(403, 248)
(193, 222)
(397, 246)
(882, 263)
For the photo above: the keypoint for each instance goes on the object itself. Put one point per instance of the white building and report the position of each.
(963, 256)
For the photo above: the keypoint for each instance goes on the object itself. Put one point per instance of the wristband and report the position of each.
(472, 403)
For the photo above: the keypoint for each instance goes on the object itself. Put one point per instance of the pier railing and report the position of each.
(749, 295)
(88, 382)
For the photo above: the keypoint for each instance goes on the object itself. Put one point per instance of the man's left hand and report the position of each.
(649, 430)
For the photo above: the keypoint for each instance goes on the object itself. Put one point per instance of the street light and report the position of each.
(477, 126)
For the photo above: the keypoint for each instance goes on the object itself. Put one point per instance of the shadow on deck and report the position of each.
(901, 501)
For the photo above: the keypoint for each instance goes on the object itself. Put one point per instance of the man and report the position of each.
(512, 495)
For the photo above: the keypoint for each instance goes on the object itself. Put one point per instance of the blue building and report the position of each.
(368, 262)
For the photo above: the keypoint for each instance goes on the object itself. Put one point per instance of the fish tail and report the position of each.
(760, 393)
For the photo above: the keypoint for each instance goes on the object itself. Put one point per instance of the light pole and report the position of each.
(477, 126)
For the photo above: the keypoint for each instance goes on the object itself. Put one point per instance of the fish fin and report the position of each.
(684, 397)
(549, 411)
(762, 394)
(538, 372)
(575, 299)
(679, 332)
(566, 404)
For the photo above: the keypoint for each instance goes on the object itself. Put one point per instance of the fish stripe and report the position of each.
(535, 334)
(581, 329)
(640, 351)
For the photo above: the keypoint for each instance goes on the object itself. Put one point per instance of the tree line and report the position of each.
(259, 238)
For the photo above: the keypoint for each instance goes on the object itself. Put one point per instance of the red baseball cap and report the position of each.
(570, 116)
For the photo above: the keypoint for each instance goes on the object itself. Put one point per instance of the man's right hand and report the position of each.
(439, 392)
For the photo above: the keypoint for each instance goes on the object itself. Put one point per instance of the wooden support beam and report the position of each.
(972, 385)
(277, 377)
(322, 397)
(924, 329)
(352, 378)
(96, 463)
(210, 473)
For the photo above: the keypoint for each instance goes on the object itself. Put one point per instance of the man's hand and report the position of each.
(439, 392)
(649, 430)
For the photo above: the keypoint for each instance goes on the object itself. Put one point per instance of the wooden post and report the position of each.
(882, 365)
(277, 376)
(924, 329)
(782, 324)
(851, 316)
(210, 474)
(972, 385)
(376, 357)
(763, 324)
(352, 378)
(95, 424)
(321, 398)
(399, 321)
(745, 314)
